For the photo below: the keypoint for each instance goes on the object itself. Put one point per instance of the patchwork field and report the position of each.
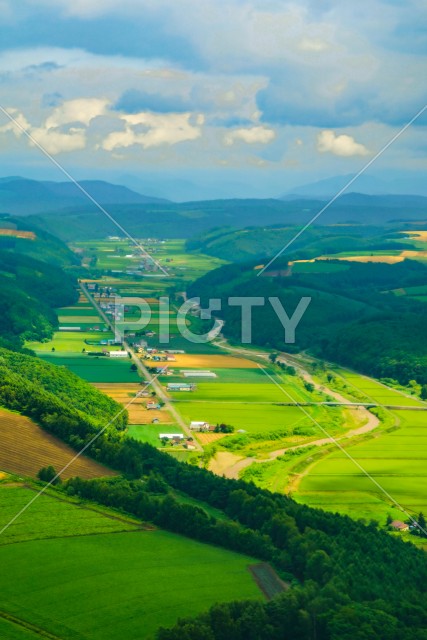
(25, 448)
(138, 413)
(115, 577)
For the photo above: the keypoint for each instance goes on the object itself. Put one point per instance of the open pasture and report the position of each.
(121, 585)
(54, 516)
(253, 418)
(376, 391)
(25, 448)
(72, 342)
(396, 460)
(150, 432)
(95, 369)
(229, 392)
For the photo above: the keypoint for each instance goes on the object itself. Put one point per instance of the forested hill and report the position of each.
(260, 243)
(353, 318)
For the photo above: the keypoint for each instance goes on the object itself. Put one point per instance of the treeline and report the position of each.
(353, 317)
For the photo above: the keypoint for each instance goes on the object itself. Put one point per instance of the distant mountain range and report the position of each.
(364, 184)
(146, 216)
(20, 196)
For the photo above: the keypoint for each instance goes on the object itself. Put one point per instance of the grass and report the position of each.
(12, 631)
(150, 432)
(54, 518)
(122, 585)
(397, 460)
(93, 369)
(70, 341)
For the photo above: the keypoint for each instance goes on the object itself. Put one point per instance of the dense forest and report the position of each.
(354, 317)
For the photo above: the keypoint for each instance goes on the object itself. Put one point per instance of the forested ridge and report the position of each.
(353, 318)
(29, 291)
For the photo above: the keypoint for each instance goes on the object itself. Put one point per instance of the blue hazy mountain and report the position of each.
(21, 196)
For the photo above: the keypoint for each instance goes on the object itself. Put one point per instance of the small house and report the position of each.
(397, 525)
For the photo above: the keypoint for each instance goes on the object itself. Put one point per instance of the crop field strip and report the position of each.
(25, 448)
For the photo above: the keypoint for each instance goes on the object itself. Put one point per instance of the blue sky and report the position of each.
(213, 97)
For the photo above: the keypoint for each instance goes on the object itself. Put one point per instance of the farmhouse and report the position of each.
(153, 405)
(194, 373)
(171, 436)
(397, 525)
(118, 354)
(181, 386)
(199, 426)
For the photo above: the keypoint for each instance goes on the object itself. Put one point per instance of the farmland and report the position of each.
(115, 576)
(396, 460)
(26, 448)
(95, 369)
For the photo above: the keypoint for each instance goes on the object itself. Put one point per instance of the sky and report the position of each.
(214, 98)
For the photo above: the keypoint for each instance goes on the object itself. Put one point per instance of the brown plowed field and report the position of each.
(25, 448)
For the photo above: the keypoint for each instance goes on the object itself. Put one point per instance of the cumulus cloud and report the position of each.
(341, 145)
(250, 135)
(81, 110)
(64, 130)
(152, 130)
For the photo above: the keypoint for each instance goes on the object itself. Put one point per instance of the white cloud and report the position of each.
(55, 135)
(341, 145)
(250, 135)
(152, 130)
(81, 110)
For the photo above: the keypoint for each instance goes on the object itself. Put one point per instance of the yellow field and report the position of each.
(84, 319)
(138, 414)
(16, 233)
(25, 448)
(207, 438)
(385, 259)
(190, 361)
(416, 235)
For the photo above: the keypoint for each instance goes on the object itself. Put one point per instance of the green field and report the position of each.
(71, 341)
(397, 460)
(51, 517)
(95, 369)
(150, 432)
(75, 580)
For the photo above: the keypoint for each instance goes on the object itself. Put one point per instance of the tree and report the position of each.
(133, 367)
(47, 474)
(424, 392)
(273, 357)
(422, 524)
